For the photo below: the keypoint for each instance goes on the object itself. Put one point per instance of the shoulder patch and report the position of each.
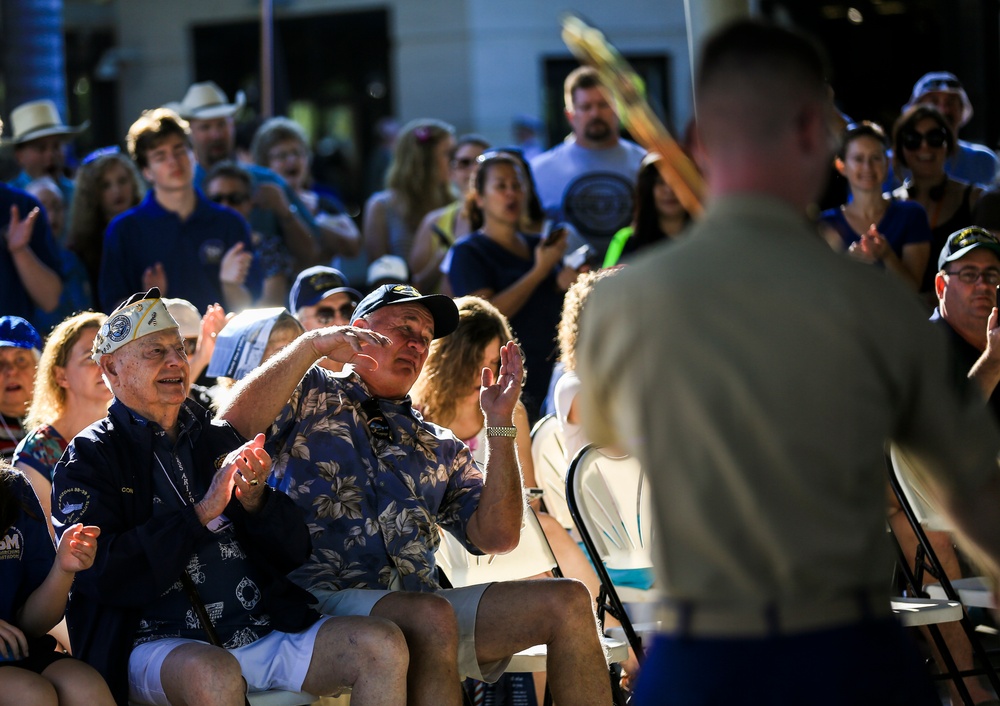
(73, 503)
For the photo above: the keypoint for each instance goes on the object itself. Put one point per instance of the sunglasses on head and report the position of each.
(378, 425)
(234, 199)
(327, 314)
(912, 139)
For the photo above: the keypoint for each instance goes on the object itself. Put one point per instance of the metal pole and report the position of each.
(266, 58)
(704, 16)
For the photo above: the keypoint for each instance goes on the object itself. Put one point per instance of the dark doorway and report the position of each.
(331, 75)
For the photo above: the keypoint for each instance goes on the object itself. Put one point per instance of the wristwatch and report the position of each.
(509, 432)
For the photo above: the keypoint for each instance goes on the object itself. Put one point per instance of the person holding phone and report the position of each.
(521, 274)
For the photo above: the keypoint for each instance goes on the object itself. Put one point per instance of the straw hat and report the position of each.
(36, 119)
(206, 100)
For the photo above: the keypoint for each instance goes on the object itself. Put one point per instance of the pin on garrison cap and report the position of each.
(138, 316)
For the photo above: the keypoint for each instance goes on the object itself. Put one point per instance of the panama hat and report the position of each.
(36, 119)
(206, 100)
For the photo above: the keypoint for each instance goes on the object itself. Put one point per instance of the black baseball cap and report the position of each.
(314, 284)
(962, 242)
(442, 308)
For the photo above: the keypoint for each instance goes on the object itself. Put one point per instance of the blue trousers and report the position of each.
(869, 663)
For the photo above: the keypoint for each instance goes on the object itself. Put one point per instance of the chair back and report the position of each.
(918, 498)
(531, 557)
(614, 502)
(548, 453)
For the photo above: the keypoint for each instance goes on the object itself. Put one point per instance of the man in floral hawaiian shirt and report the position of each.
(375, 481)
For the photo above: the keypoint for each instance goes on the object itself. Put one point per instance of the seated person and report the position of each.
(36, 579)
(322, 297)
(20, 348)
(968, 274)
(375, 482)
(189, 525)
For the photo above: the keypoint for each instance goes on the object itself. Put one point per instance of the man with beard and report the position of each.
(588, 179)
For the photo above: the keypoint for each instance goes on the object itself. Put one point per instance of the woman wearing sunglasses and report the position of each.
(923, 141)
(872, 225)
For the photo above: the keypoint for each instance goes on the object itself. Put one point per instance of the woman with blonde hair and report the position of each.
(417, 183)
(69, 396)
(107, 184)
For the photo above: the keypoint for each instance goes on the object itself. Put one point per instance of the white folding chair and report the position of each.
(973, 591)
(548, 453)
(919, 509)
(610, 501)
(531, 557)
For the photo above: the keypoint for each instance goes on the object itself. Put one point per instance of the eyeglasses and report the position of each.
(236, 198)
(970, 275)
(378, 425)
(21, 362)
(327, 314)
(912, 139)
(282, 155)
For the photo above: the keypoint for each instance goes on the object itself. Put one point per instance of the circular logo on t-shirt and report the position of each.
(598, 204)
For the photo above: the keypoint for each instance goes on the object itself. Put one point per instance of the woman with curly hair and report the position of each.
(417, 183)
(35, 580)
(568, 385)
(69, 396)
(107, 184)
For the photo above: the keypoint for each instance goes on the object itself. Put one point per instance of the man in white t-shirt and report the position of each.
(589, 179)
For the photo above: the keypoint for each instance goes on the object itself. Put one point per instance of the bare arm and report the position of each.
(42, 284)
(47, 603)
(375, 232)
(338, 235)
(523, 443)
(257, 399)
(495, 526)
(296, 233)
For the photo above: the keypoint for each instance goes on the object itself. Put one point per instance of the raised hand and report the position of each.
(155, 276)
(344, 344)
(235, 265)
(77, 548)
(19, 231)
(498, 397)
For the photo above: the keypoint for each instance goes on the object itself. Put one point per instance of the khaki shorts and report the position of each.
(464, 601)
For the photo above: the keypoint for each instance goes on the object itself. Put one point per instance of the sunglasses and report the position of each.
(328, 314)
(234, 199)
(378, 425)
(912, 139)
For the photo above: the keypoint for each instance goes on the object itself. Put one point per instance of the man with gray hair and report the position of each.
(187, 601)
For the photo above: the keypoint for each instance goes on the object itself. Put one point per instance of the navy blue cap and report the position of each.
(17, 333)
(962, 242)
(442, 308)
(314, 284)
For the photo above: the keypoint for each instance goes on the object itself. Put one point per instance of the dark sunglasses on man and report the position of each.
(236, 198)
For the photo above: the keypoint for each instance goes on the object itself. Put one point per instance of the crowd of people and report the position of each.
(234, 420)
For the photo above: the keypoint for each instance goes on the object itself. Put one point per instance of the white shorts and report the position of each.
(279, 660)
(464, 601)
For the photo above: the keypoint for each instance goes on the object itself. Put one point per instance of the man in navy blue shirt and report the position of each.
(176, 239)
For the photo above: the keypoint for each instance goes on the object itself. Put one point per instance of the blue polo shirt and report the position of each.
(14, 299)
(190, 250)
(26, 550)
